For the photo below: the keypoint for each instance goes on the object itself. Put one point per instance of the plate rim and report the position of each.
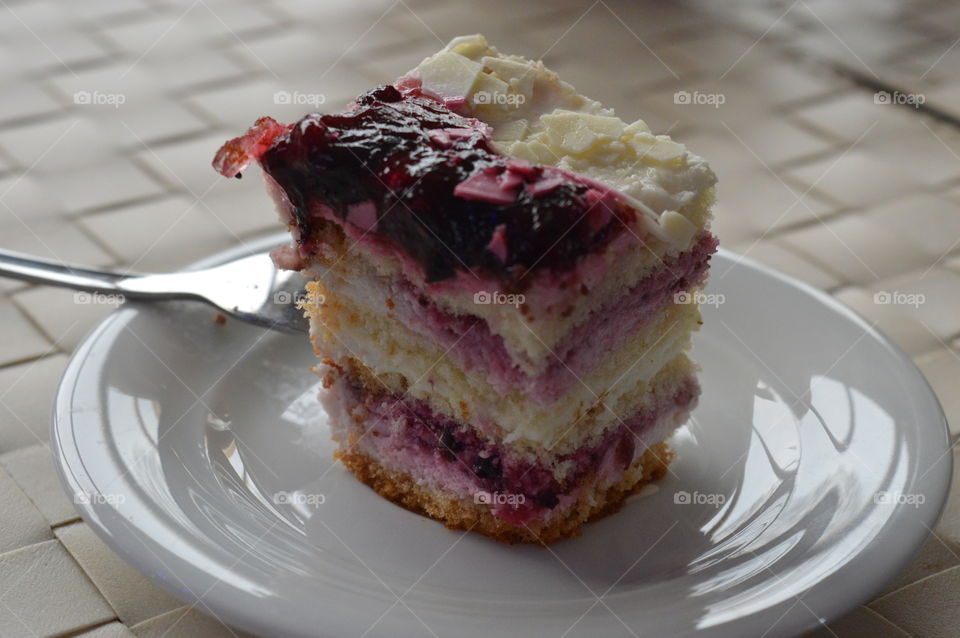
(92, 513)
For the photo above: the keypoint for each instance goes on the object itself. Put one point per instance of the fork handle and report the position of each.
(128, 285)
(42, 271)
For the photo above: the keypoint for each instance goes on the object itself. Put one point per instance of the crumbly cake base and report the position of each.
(460, 514)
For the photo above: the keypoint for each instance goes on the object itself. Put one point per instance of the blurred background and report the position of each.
(834, 128)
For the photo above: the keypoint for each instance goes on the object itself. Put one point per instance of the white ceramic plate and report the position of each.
(812, 470)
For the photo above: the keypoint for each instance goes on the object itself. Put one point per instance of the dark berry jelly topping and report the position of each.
(407, 170)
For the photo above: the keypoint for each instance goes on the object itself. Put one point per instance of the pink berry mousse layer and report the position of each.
(470, 342)
(443, 454)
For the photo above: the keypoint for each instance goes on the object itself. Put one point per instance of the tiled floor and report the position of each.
(111, 111)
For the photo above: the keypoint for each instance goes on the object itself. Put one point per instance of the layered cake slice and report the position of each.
(503, 288)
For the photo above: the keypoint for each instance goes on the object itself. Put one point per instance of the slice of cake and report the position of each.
(503, 295)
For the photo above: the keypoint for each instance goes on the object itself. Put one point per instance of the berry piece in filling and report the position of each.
(409, 171)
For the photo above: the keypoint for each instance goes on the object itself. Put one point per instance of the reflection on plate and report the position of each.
(811, 471)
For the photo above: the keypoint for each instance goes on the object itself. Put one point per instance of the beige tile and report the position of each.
(21, 340)
(733, 228)
(862, 622)
(922, 147)
(935, 556)
(63, 143)
(893, 320)
(131, 594)
(547, 24)
(287, 55)
(187, 29)
(238, 106)
(245, 209)
(375, 71)
(728, 157)
(98, 10)
(930, 296)
(24, 197)
(186, 623)
(49, 49)
(155, 122)
(936, 17)
(213, 65)
(104, 184)
(769, 204)
(111, 630)
(186, 165)
(927, 608)
(783, 259)
(946, 98)
(26, 99)
(942, 369)
(849, 115)
(856, 250)
(162, 235)
(26, 394)
(857, 178)
(948, 528)
(60, 241)
(778, 81)
(154, 37)
(33, 470)
(65, 316)
(847, 44)
(378, 27)
(927, 220)
(708, 103)
(23, 525)
(29, 576)
(121, 78)
(772, 141)
(316, 14)
(225, 20)
(657, 23)
(720, 52)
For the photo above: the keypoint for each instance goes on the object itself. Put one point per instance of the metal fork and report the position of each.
(250, 288)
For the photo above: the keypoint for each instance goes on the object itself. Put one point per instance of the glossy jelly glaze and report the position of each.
(407, 169)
